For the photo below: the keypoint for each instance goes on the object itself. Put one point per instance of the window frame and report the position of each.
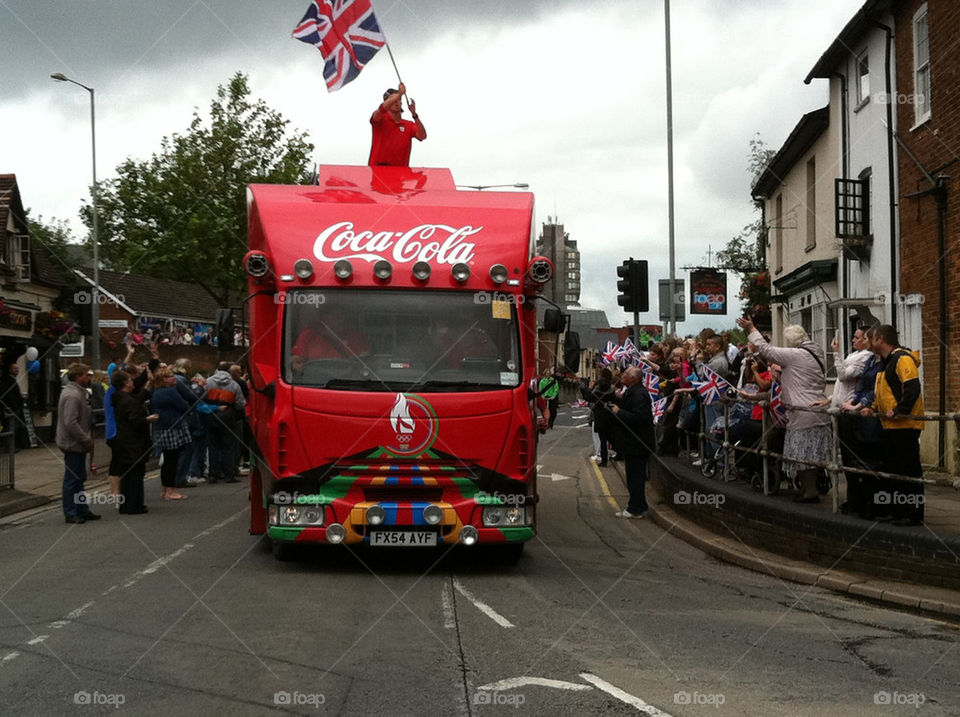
(922, 111)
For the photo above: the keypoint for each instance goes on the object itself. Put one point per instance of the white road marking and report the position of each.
(556, 476)
(514, 682)
(582, 425)
(614, 691)
(79, 611)
(161, 562)
(10, 656)
(38, 639)
(446, 603)
(482, 606)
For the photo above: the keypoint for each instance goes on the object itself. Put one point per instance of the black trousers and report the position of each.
(901, 454)
(131, 488)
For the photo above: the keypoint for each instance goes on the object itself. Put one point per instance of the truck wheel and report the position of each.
(281, 551)
(507, 554)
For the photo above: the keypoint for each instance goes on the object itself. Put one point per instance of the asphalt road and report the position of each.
(182, 612)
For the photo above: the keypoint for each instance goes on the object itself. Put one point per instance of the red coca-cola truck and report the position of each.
(392, 330)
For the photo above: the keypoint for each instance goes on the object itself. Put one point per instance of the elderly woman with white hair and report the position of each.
(802, 384)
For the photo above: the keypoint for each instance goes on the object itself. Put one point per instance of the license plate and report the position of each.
(417, 538)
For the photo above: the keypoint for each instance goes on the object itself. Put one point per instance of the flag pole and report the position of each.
(394, 63)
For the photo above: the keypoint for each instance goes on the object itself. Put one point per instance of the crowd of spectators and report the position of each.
(876, 397)
(196, 426)
(198, 335)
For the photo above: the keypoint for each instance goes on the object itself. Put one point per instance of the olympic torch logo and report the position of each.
(412, 434)
(400, 416)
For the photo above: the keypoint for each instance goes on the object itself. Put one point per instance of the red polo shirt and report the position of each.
(391, 141)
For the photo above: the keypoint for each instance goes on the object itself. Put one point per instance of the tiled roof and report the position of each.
(149, 296)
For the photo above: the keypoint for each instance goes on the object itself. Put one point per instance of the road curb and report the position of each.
(19, 501)
(730, 550)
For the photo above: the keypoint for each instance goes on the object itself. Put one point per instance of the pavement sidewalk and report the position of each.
(38, 477)
(925, 598)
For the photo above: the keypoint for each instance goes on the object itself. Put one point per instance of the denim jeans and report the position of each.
(74, 475)
(198, 456)
(636, 469)
(222, 444)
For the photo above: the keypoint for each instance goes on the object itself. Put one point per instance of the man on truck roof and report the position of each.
(393, 135)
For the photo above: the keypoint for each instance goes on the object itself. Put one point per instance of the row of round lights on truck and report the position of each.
(539, 271)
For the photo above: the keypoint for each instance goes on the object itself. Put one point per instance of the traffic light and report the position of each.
(633, 285)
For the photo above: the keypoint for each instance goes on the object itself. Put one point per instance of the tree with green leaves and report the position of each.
(182, 213)
(745, 253)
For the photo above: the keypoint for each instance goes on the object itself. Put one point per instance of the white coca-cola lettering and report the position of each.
(435, 243)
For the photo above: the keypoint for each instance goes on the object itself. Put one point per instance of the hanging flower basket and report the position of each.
(53, 324)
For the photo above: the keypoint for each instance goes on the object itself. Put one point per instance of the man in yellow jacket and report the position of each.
(899, 397)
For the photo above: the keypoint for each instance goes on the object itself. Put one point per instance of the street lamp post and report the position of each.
(95, 296)
(481, 187)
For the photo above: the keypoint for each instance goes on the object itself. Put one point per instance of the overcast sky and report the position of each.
(566, 96)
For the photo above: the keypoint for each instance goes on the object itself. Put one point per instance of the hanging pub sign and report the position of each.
(708, 292)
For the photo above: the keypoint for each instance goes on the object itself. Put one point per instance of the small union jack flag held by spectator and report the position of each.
(777, 411)
(713, 387)
(346, 33)
(659, 407)
(651, 382)
(611, 354)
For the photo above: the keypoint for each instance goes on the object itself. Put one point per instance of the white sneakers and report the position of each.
(195, 480)
(627, 514)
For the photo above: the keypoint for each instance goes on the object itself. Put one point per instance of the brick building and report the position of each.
(928, 120)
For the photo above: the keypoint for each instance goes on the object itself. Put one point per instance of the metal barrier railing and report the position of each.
(8, 447)
(836, 468)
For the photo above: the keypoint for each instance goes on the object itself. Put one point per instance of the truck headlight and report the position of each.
(500, 515)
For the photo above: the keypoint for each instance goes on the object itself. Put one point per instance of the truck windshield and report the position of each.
(373, 340)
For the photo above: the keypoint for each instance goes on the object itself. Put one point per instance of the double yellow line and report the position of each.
(603, 485)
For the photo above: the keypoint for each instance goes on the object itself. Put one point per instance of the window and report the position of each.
(921, 66)
(18, 256)
(395, 341)
(811, 203)
(853, 207)
(863, 78)
(778, 233)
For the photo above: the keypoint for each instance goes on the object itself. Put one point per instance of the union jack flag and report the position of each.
(629, 349)
(611, 354)
(659, 407)
(347, 35)
(712, 388)
(777, 411)
(651, 382)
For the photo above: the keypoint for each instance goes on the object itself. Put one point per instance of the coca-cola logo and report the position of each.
(433, 243)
